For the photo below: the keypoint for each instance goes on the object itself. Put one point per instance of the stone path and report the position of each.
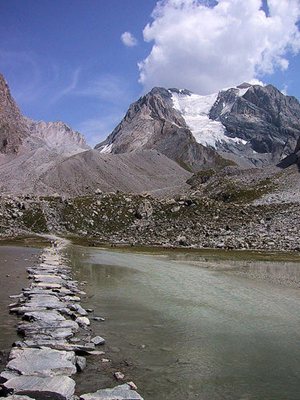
(42, 364)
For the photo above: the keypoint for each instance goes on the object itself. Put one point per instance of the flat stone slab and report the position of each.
(46, 327)
(48, 279)
(61, 385)
(42, 362)
(18, 397)
(45, 300)
(48, 285)
(45, 316)
(121, 392)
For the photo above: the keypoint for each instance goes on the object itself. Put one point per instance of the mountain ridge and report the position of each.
(251, 125)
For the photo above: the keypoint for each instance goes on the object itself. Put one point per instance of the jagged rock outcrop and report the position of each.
(19, 134)
(153, 123)
(292, 159)
(57, 136)
(13, 127)
(265, 118)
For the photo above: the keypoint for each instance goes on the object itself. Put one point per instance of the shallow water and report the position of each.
(182, 331)
(13, 276)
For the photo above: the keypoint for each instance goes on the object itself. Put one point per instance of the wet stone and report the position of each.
(42, 362)
(45, 316)
(83, 321)
(58, 385)
(80, 363)
(79, 310)
(98, 340)
(122, 392)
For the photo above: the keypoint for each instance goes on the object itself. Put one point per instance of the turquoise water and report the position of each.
(181, 331)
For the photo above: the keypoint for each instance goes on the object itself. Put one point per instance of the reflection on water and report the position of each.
(185, 332)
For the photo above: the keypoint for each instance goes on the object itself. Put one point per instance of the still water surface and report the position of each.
(181, 331)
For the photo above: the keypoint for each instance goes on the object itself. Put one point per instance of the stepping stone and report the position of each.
(42, 362)
(80, 363)
(83, 321)
(48, 285)
(46, 316)
(45, 300)
(48, 279)
(98, 340)
(122, 392)
(79, 310)
(29, 385)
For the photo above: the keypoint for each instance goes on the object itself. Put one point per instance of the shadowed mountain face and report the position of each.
(292, 159)
(268, 120)
(250, 125)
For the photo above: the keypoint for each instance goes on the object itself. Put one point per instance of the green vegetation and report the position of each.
(233, 192)
(35, 220)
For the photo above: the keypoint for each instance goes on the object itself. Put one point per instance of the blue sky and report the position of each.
(65, 59)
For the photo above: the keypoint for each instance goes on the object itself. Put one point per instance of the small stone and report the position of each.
(96, 353)
(98, 340)
(80, 363)
(105, 360)
(99, 319)
(83, 321)
(119, 376)
(132, 385)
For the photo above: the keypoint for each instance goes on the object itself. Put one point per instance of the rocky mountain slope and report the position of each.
(153, 123)
(46, 158)
(249, 125)
(19, 135)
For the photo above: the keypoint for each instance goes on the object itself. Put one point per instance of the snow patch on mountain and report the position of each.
(195, 110)
(107, 148)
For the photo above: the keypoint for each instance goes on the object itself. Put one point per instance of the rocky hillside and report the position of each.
(46, 158)
(249, 125)
(137, 172)
(186, 220)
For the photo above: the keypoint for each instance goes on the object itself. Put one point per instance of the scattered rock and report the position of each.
(99, 319)
(83, 321)
(98, 340)
(119, 376)
(80, 363)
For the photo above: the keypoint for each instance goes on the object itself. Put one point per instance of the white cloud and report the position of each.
(204, 48)
(128, 39)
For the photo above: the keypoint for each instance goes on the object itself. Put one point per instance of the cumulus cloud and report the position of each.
(128, 39)
(207, 45)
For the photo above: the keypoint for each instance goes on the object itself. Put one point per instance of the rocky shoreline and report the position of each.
(182, 221)
(57, 339)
